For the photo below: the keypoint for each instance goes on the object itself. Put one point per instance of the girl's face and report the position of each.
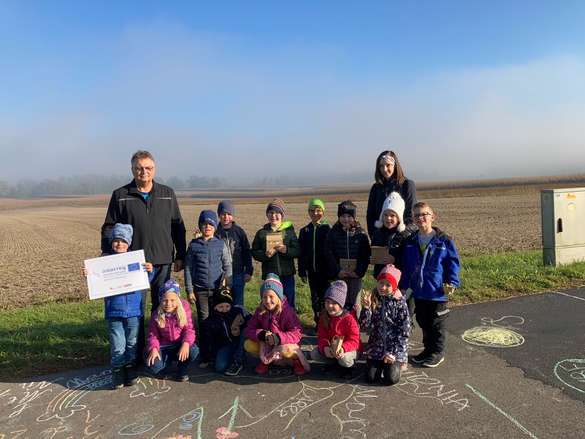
(226, 219)
(316, 213)
(274, 217)
(208, 230)
(119, 246)
(270, 300)
(384, 287)
(223, 307)
(386, 169)
(346, 221)
(332, 307)
(170, 302)
(423, 218)
(390, 219)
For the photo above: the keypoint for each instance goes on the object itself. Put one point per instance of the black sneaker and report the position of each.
(131, 377)
(181, 377)
(420, 358)
(118, 377)
(234, 369)
(434, 360)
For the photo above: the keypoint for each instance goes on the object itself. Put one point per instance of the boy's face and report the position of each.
(423, 218)
(346, 220)
(119, 245)
(270, 300)
(386, 169)
(226, 219)
(207, 230)
(223, 307)
(274, 218)
(170, 302)
(390, 219)
(384, 287)
(332, 307)
(316, 213)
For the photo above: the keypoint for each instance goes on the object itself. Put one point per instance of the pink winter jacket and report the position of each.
(286, 324)
(171, 333)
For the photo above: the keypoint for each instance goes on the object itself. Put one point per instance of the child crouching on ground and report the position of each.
(338, 333)
(385, 314)
(170, 334)
(222, 338)
(274, 332)
(431, 272)
(124, 314)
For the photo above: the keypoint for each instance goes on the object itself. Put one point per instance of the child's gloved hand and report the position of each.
(262, 336)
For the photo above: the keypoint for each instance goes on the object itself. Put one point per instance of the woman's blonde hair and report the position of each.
(180, 313)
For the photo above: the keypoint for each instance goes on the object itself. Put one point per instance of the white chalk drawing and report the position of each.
(186, 423)
(87, 431)
(135, 429)
(67, 403)
(420, 385)
(348, 413)
(495, 333)
(51, 432)
(571, 373)
(32, 391)
(16, 434)
(150, 388)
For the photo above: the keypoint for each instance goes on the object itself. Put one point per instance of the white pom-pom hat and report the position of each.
(395, 203)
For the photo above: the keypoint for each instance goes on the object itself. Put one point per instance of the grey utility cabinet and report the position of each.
(563, 225)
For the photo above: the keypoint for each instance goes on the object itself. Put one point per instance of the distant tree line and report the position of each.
(93, 185)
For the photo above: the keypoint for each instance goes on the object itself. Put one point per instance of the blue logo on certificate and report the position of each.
(134, 267)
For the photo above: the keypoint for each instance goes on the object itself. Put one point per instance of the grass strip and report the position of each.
(63, 336)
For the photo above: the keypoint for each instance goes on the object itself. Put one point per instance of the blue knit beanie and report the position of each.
(170, 285)
(273, 283)
(208, 217)
(226, 206)
(123, 232)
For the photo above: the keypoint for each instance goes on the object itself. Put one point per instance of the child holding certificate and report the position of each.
(348, 251)
(276, 246)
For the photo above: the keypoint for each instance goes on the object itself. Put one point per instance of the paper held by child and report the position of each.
(380, 255)
(235, 328)
(336, 344)
(348, 264)
(273, 240)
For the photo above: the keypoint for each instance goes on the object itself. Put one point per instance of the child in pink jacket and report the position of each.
(170, 333)
(274, 332)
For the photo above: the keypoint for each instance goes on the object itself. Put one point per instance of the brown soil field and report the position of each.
(43, 242)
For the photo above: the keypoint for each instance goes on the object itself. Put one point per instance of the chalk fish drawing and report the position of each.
(150, 388)
(495, 333)
(571, 372)
(67, 403)
(183, 424)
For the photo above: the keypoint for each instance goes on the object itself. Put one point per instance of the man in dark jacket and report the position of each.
(153, 212)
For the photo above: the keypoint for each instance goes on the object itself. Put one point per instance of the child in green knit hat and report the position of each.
(312, 267)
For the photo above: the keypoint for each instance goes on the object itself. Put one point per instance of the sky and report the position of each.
(312, 90)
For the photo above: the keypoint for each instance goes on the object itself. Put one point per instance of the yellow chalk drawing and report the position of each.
(494, 337)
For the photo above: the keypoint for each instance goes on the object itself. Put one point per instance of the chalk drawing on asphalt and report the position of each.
(571, 373)
(350, 413)
(150, 388)
(421, 385)
(495, 333)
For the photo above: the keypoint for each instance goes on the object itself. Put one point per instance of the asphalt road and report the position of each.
(514, 369)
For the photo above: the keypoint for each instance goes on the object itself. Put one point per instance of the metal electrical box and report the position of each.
(563, 225)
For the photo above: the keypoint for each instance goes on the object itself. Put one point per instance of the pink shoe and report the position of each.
(298, 368)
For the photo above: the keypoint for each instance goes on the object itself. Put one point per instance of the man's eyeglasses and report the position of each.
(144, 168)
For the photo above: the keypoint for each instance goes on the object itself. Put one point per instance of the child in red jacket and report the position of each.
(338, 332)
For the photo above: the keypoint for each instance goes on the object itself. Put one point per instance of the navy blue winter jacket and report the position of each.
(237, 242)
(378, 194)
(312, 241)
(206, 264)
(426, 272)
(352, 244)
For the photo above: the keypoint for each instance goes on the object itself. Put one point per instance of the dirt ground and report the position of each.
(43, 242)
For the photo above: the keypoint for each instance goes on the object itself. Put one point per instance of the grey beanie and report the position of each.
(226, 206)
(337, 292)
(123, 232)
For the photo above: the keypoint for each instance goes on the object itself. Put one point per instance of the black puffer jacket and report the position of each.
(351, 244)
(158, 226)
(379, 192)
(392, 239)
(312, 241)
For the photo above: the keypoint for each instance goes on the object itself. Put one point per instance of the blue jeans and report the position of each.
(123, 333)
(238, 285)
(169, 354)
(288, 285)
(233, 352)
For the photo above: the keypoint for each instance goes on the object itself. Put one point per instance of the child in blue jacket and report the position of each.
(431, 273)
(124, 314)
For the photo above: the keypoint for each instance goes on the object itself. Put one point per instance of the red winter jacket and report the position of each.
(344, 326)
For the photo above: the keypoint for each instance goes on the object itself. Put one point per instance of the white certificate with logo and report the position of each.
(116, 274)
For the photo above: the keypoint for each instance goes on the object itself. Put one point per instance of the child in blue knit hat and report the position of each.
(124, 314)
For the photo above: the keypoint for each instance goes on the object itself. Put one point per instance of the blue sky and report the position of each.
(478, 89)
